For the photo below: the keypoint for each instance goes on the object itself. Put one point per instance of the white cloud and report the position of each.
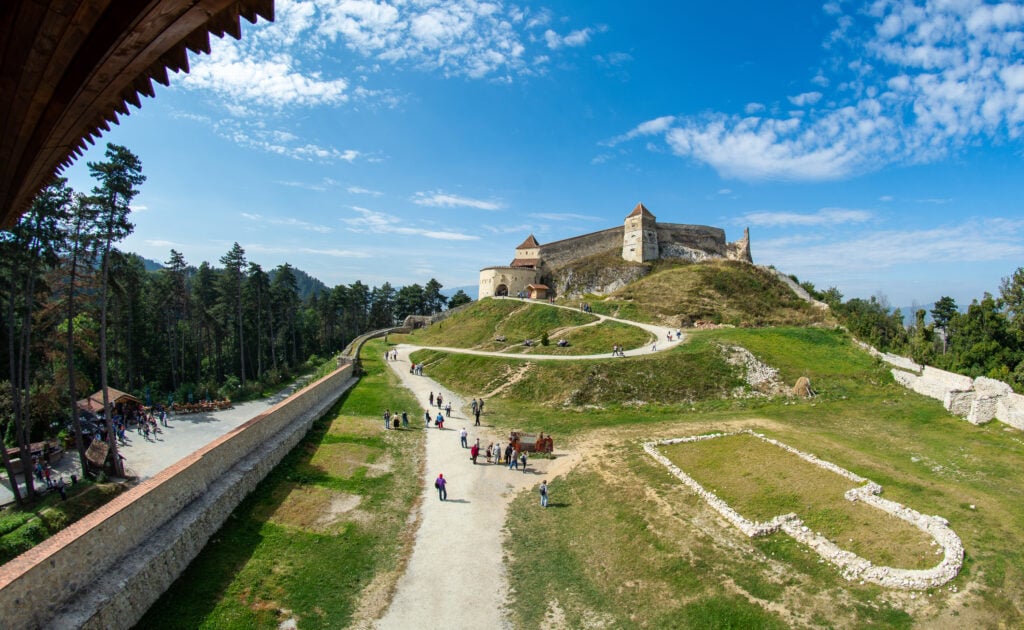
(287, 222)
(441, 199)
(574, 39)
(969, 242)
(885, 198)
(323, 186)
(162, 243)
(281, 142)
(725, 191)
(647, 128)
(335, 253)
(825, 216)
(928, 79)
(381, 223)
(807, 98)
(142, 208)
(357, 190)
(561, 216)
(274, 80)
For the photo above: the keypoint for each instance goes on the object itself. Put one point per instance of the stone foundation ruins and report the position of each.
(853, 567)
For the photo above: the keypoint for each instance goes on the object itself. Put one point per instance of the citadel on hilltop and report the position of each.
(640, 239)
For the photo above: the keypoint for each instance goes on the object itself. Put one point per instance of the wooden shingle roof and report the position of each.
(69, 67)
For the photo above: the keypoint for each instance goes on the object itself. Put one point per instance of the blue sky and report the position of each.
(875, 147)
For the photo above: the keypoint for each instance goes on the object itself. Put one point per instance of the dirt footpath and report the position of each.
(455, 577)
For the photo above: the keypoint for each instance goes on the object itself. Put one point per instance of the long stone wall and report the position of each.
(560, 253)
(107, 569)
(977, 400)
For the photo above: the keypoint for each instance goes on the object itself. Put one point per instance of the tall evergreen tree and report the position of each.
(26, 250)
(232, 283)
(118, 179)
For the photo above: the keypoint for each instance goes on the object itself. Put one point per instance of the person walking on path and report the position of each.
(476, 412)
(439, 400)
(426, 418)
(405, 420)
(441, 484)
(448, 410)
(474, 452)
(522, 460)
(439, 421)
(431, 399)
(463, 434)
(513, 462)
(544, 493)
(387, 418)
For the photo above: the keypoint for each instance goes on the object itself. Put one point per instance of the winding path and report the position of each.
(455, 577)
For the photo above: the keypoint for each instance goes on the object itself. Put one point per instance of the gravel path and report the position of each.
(184, 434)
(455, 577)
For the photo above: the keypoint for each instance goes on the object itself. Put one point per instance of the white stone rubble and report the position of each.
(853, 567)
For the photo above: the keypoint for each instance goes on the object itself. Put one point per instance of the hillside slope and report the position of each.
(722, 292)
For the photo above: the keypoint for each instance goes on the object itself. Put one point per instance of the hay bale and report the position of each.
(803, 388)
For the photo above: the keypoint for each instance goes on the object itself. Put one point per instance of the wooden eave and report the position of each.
(68, 68)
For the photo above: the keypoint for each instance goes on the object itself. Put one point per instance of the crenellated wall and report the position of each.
(147, 536)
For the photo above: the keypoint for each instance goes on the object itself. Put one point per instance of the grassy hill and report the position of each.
(624, 544)
(723, 292)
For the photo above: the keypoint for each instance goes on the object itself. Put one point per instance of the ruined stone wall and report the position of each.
(561, 253)
(690, 242)
(977, 400)
(147, 536)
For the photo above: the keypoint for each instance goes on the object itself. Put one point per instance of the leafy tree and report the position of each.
(832, 297)
(1011, 290)
(432, 298)
(459, 299)
(944, 310)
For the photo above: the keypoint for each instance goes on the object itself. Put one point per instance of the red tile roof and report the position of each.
(524, 262)
(529, 243)
(640, 210)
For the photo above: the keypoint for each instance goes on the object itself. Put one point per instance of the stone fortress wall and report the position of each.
(535, 264)
(107, 569)
(561, 253)
(977, 400)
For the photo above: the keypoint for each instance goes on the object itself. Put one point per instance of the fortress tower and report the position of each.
(640, 238)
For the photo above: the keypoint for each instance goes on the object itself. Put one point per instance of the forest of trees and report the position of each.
(986, 339)
(80, 314)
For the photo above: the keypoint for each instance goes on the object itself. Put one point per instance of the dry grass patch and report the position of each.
(350, 426)
(313, 508)
(761, 481)
(342, 459)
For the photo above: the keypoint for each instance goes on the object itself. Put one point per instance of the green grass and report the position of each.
(22, 528)
(762, 481)
(276, 558)
(480, 325)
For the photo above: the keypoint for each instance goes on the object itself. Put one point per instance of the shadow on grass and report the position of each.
(195, 595)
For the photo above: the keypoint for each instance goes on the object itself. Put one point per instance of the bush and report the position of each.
(544, 339)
